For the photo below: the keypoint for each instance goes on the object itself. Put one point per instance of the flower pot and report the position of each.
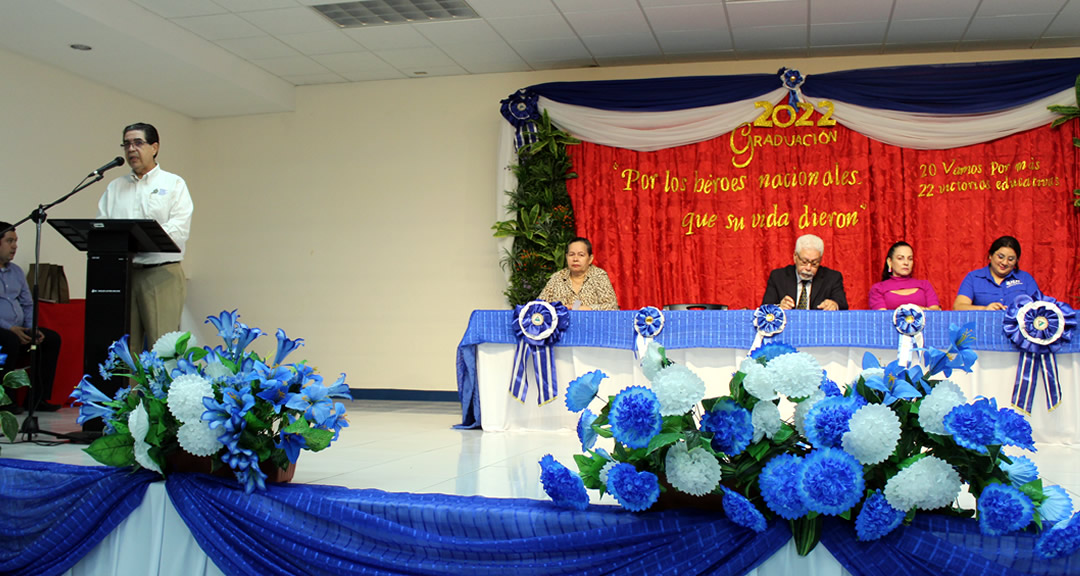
(181, 461)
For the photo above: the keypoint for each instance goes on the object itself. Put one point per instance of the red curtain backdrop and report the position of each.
(705, 223)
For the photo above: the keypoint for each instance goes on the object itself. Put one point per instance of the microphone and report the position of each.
(118, 161)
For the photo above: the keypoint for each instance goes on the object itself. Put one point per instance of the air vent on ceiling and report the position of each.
(385, 12)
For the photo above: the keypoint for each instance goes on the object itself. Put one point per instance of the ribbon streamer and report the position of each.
(648, 322)
(909, 320)
(1038, 327)
(769, 320)
(520, 110)
(538, 325)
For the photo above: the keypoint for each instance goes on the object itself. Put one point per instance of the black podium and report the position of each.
(109, 247)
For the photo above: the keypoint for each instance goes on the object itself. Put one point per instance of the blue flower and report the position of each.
(731, 425)
(1062, 539)
(582, 390)
(225, 324)
(336, 420)
(1012, 429)
(244, 337)
(635, 491)
(562, 485)
(245, 465)
(339, 389)
(1002, 509)
(771, 350)
(635, 416)
(275, 385)
(119, 350)
(832, 481)
(292, 444)
(779, 483)
(285, 346)
(740, 511)
(828, 386)
(894, 383)
(585, 432)
(1020, 471)
(314, 401)
(877, 518)
(3, 359)
(973, 425)
(1057, 506)
(961, 339)
(827, 421)
(92, 402)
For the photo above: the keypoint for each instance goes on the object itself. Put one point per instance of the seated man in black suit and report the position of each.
(806, 284)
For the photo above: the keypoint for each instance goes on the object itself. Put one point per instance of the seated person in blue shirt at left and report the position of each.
(16, 322)
(999, 283)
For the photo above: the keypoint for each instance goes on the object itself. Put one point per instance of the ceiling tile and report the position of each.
(426, 71)
(252, 5)
(290, 66)
(1067, 23)
(845, 34)
(845, 50)
(1008, 27)
(980, 45)
(515, 8)
(315, 79)
(839, 11)
(768, 13)
(561, 64)
(388, 37)
(258, 48)
(770, 38)
(322, 42)
(551, 49)
(289, 21)
(472, 31)
(1018, 8)
(621, 45)
(928, 9)
(921, 48)
(922, 31)
(536, 28)
(495, 67)
(174, 9)
(388, 73)
(694, 41)
(415, 57)
(569, 6)
(220, 26)
(669, 18)
(609, 23)
(476, 53)
(1058, 42)
(352, 62)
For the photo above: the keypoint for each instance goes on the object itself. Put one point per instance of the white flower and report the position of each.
(139, 425)
(696, 472)
(678, 389)
(927, 484)
(795, 375)
(605, 470)
(652, 361)
(872, 435)
(186, 395)
(803, 408)
(165, 347)
(766, 419)
(941, 400)
(757, 381)
(217, 371)
(198, 439)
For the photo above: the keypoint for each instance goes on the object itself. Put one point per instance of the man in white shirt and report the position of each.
(148, 192)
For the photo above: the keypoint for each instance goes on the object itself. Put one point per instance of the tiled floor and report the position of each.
(411, 447)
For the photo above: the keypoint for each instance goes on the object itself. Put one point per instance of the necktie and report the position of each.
(804, 289)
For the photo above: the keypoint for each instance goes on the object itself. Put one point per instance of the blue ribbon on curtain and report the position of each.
(769, 320)
(538, 325)
(1038, 327)
(521, 112)
(648, 322)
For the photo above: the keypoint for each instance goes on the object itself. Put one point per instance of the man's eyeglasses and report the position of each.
(811, 263)
(137, 143)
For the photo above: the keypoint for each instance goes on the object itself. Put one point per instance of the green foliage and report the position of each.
(113, 450)
(1067, 113)
(543, 220)
(8, 424)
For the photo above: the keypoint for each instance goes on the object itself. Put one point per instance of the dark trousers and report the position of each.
(18, 356)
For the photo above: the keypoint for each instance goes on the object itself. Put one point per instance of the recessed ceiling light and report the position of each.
(81, 47)
(386, 12)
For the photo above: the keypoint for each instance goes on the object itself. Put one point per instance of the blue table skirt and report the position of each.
(723, 329)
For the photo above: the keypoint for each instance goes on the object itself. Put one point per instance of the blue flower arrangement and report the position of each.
(242, 410)
(896, 441)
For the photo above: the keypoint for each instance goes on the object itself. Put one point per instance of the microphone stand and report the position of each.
(29, 426)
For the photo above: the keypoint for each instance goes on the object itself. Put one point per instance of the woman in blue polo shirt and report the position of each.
(995, 286)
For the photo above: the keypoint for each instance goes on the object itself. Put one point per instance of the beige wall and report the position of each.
(360, 222)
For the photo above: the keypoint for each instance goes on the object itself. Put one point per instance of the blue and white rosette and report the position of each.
(648, 322)
(520, 110)
(769, 320)
(1038, 327)
(537, 325)
(909, 320)
(793, 81)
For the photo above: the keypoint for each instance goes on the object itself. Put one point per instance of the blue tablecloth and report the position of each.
(723, 329)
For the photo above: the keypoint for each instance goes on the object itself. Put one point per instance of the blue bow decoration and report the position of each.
(769, 320)
(537, 325)
(909, 320)
(1038, 327)
(793, 81)
(648, 322)
(520, 110)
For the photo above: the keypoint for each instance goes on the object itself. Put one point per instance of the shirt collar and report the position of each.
(135, 178)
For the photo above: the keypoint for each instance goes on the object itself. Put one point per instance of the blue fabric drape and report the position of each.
(51, 515)
(659, 94)
(936, 544)
(292, 529)
(940, 88)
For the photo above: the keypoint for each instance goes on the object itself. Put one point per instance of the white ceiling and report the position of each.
(208, 58)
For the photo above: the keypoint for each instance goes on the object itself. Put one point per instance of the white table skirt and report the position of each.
(993, 377)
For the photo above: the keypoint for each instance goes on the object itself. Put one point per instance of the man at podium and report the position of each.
(148, 192)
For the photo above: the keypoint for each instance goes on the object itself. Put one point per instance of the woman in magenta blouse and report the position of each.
(897, 287)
